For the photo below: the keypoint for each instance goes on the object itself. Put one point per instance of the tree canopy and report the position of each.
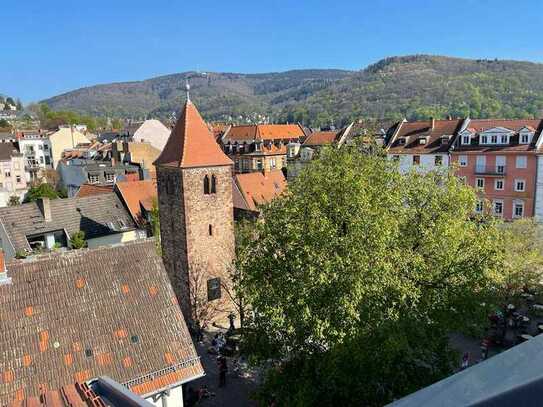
(357, 276)
(41, 191)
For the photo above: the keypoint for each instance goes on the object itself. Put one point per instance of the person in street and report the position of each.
(223, 368)
(231, 318)
(465, 360)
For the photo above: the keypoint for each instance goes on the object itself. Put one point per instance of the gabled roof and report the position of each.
(257, 188)
(431, 131)
(512, 127)
(320, 138)
(93, 189)
(8, 150)
(261, 132)
(70, 317)
(92, 214)
(191, 143)
(154, 132)
(135, 194)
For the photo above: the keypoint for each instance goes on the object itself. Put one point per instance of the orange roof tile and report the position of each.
(191, 143)
(264, 132)
(258, 188)
(320, 138)
(135, 193)
(90, 189)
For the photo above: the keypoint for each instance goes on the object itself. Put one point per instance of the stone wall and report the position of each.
(191, 254)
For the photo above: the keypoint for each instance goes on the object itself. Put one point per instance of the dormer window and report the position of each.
(466, 139)
(401, 141)
(493, 139)
(525, 138)
(504, 139)
(422, 140)
(484, 139)
(444, 140)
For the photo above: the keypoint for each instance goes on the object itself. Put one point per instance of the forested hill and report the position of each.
(417, 86)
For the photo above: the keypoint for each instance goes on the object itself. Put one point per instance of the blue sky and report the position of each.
(50, 47)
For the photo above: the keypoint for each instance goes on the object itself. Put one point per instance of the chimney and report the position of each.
(45, 207)
(433, 122)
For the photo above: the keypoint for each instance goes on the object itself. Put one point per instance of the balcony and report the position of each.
(496, 170)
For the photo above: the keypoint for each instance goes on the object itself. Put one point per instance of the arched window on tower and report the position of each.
(213, 184)
(206, 185)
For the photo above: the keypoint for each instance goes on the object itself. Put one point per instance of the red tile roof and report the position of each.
(320, 138)
(264, 132)
(137, 193)
(191, 143)
(71, 395)
(257, 188)
(476, 126)
(430, 130)
(72, 334)
(91, 189)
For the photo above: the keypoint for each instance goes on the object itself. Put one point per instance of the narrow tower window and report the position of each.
(206, 185)
(210, 230)
(213, 184)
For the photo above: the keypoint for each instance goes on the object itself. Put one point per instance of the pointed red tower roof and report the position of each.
(191, 143)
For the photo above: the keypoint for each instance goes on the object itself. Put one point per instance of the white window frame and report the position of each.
(479, 206)
(494, 139)
(497, 201)
(440, 159)
(463, 161)
(524, 158)
(504, 139)
(514, 210)
(517, 181)
(477, 183)
(496, 184)
(484, 140)
(466, 139)
(522, 140)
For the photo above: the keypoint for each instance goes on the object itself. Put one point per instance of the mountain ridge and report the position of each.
(412, 86)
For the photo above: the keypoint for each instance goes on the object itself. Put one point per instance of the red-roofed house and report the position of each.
(300, 154)
(499, 158)
(259, 188)
(138, 196)
(261, 146)
(424, 144)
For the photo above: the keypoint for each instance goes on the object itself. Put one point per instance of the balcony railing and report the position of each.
(490, 169)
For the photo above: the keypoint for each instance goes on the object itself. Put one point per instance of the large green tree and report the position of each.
(358, 274)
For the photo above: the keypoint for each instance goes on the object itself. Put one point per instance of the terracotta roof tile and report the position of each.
(262, 132)
(136, 193)
(320, 138)
(257, 188)
(90, 190)
(191, 143)
(73, 337)
(413, 132)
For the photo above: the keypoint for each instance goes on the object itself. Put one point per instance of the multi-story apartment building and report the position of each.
(422, 144)
(499, 159)
(36, 149)
(12, 173)
(261, 146)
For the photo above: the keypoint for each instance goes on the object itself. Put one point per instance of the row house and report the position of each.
(261, 146)
(300, 154)
(497, 157)
(422, 144)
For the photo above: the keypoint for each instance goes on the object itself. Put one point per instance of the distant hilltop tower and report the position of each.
(194, 179)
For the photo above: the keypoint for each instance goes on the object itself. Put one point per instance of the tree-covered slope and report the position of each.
(417, 86)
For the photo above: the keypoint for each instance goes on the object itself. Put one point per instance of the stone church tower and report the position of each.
(194, 180)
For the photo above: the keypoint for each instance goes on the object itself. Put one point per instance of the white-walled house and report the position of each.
(423, 145)
(36, 149)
